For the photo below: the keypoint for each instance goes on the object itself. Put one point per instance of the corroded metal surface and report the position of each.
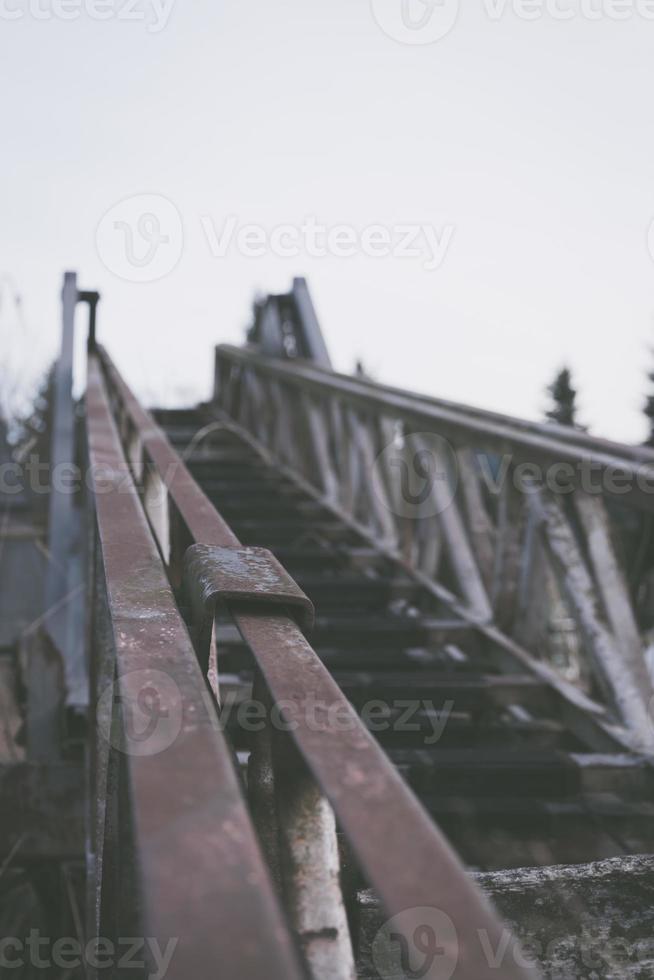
(200, 875)
(250, 574)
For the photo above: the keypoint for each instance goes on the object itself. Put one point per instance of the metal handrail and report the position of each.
(578, 437)
(187, 836)
(402, 854)
(528, 441)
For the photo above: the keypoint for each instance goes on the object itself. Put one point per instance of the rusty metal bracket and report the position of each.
(213, 574)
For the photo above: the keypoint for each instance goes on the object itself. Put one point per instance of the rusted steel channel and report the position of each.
(402, 854)
(182, 820)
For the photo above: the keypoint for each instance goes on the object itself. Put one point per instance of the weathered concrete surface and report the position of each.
(580, 922)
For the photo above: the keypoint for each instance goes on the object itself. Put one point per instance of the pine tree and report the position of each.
(563, 410)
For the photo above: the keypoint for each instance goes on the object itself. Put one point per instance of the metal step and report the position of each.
(466, 692)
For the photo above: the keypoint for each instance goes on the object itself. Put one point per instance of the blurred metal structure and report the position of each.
(329, 714)
(64, 608)
(287, 326)
(507, 507)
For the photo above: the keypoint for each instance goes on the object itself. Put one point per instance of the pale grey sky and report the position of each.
(527, 147)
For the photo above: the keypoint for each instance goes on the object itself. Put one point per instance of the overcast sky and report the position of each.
(514, 157)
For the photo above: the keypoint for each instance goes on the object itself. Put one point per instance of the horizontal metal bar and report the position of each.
(372, 803)
(202, 875)
(527, 442)
(576, 437)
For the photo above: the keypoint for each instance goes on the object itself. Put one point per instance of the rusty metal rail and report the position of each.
(401, 853)
(174, 852)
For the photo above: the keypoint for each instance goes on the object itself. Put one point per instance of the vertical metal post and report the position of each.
(312, 335)
(64, 599)
(92, 298)
(61, 504)
(310, 866)
(261, 784)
